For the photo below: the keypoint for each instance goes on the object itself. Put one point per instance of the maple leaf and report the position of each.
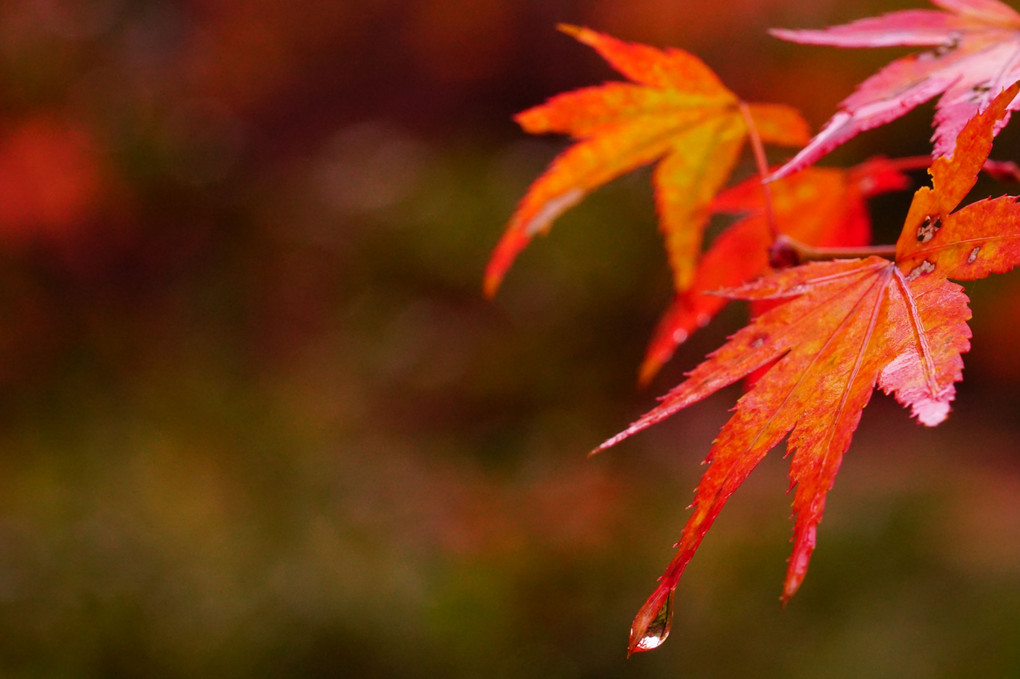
(818, 206)
(976, 55)
(846, 327)
(675, 111)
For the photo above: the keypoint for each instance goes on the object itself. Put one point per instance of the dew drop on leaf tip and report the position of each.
(658, 628)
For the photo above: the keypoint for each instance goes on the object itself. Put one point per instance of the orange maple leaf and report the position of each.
(847, 326)
(675, 111)
(822, 207)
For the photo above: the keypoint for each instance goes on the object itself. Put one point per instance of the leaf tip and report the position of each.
(608, 443)
(783, 172)
(659, 352)
(490, 285)
(644, 422)
(931, 412)
(502, 257)
(649, 369)
(782, 33)
(578, 32)
(652, 623)
(804, 545)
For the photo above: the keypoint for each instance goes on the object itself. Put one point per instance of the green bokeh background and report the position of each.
(258, 421)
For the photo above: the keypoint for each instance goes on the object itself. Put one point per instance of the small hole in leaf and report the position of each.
(928, 228)
(921, 269)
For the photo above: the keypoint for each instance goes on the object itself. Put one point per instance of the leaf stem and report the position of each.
(1002, 170)
(763, 168)
(786, 252)
(910, 163)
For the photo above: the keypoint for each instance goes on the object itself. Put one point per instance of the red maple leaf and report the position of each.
(846, 326)
(976, 55)
(822, 207)
(674, 111)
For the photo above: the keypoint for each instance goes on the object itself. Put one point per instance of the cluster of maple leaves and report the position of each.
(833, 315)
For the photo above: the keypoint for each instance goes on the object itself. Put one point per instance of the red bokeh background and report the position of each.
(257, 419)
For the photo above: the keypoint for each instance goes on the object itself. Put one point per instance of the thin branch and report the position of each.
(910, 163)
(1002, 170)
(763, 169)
(786, 252)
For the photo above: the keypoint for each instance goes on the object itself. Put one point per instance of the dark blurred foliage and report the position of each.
(257, 420)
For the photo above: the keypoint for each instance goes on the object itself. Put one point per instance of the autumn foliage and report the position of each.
(834, 315)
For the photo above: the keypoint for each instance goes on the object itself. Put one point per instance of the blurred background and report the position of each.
(257, 420)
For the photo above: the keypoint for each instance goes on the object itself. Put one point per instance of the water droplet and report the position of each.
(657, 629)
